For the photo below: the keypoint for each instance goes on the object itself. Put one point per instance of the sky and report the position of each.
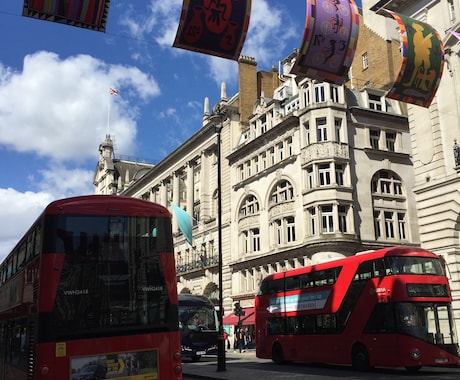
(55, 106)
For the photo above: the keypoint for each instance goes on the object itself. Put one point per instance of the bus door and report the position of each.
(379, 332)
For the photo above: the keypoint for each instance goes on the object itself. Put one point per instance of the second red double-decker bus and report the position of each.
(90, 292)
(389, 308)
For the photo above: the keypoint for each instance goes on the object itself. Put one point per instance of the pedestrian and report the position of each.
(241, 339)
(247, 339)
(226, 342)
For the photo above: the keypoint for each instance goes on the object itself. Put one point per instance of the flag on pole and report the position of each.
(112, 91)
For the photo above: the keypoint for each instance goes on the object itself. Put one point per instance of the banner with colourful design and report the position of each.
(88, 14)
(422, 63)
(329, 40)
(215, 27)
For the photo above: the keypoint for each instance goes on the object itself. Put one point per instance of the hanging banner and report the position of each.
(422, 62)
(214, 27)
(329, 40)
(88, 14)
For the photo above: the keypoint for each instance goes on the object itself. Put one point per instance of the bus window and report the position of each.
(413, 265)
(21, 256)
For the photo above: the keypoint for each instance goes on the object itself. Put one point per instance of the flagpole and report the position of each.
(112, 91)
(108, 112)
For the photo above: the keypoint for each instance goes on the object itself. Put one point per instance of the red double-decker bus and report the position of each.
(90, 292)
(388, 308)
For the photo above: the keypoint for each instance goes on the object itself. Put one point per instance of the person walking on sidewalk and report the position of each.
(240, 339)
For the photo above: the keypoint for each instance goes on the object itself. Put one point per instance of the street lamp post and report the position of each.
(221, 364)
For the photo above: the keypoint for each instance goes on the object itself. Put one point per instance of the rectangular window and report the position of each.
(375, 137)
(321, 128)
(307, 95)
(390, 141)
(451, 11)
(307, 132)
(324, 172)
(365, 59)
(263, 124)
(272, 156)
(378, 232)
(375, 102)
(397, 188)
(343, 219)
(290, 148)
(327, 219)
(256, 240)
(290, 229)
(389, 225)
(248, 168)
(310, 177)
(245, 241)
(264, 161)
(335, 93)
(281, 151)
(313, 220)
(401, 226)
(338, 129)
(339, 170)
(320, 92)
(256, 164)
(278, 232)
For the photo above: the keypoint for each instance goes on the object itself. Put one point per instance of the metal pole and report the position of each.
(221, 365)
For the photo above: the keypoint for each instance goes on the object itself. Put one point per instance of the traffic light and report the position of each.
(238, 310)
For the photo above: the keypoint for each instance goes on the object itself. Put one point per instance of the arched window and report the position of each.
(250, 206)
(282, 192)
(250, 233)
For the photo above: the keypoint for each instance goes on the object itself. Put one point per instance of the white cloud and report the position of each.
(64, 104)
(58, 109)
(27, 207)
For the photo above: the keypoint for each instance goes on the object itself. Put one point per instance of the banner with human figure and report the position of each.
(215, 27)
(88, 14)
(329, 40)
(422, 62)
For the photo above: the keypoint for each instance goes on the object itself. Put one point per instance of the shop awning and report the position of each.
(247, 319)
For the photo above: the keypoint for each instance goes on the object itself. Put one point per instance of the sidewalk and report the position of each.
(205, 369)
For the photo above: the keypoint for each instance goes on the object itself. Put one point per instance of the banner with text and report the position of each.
(329, 40)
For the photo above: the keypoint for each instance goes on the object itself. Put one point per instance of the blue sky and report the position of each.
(54, 82)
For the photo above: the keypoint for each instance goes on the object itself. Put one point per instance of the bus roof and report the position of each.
(358, 257)
(97, 204)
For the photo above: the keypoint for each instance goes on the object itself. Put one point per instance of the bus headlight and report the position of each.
(44, 370)
(416, 354)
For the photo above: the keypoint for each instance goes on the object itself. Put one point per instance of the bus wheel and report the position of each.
(360, 358)
(196, 358)
(277, 354)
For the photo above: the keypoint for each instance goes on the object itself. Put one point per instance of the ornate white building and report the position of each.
(435, 133)
(310, 172)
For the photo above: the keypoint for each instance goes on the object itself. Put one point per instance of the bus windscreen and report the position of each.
(117, 264)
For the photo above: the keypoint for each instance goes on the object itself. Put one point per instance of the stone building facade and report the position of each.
(311, 171)
(435, 132)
